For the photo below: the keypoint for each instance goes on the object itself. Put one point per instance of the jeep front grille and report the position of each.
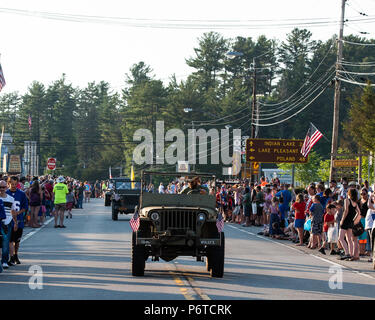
(178, 219)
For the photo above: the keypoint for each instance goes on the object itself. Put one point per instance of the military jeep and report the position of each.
(173, 225)
(125, 196)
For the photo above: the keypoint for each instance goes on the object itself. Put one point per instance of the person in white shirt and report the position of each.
(370, 226)
(161, 188)
(9, 223)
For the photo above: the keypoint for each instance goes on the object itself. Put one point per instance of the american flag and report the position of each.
(2, 79)
(29, 122)
(312, 137)
(220, 222)
(134, 221)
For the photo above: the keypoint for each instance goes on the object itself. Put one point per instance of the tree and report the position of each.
(361, 123)
(306, 172)
(209, 60)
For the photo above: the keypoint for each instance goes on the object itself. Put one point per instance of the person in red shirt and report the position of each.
(299, 214)
(329, 221)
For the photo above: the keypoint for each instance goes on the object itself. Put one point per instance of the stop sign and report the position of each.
(51, 163)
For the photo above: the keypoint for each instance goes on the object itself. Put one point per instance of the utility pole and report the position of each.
(336, 105)
(254, 100)
(253, 107)
(194, 141)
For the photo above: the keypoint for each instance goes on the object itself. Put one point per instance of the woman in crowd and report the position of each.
(363, 206)
(34, 194)
(349, 218)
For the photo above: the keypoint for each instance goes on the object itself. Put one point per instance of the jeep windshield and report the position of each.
(127, 185)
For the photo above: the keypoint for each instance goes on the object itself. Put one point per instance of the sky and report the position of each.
(34, 48)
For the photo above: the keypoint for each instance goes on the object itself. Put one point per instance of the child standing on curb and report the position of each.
(317, 213)
(329, 223)
(70, 201)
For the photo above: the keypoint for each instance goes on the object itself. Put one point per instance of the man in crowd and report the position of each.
(9, 223)
(60, 190)
(2, 226)
(21, 205)
(344, 189)
(48, 187)
(284, 208)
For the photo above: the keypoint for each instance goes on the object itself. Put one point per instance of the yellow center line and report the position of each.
(183, 290)
(198, 290)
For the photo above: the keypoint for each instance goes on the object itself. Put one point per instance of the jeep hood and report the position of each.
(177, 200)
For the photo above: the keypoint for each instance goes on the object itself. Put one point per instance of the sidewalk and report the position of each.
(362, 265)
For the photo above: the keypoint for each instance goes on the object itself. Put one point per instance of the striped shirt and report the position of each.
(9, 205)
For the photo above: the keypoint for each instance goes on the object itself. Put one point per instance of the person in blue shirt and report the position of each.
(21, 209)
(284, 206)
(2, 216)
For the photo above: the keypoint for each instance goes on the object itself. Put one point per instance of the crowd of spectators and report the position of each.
(319, 217)
(28, 201)
(334, 217)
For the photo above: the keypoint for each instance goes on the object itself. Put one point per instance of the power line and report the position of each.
(184, 24)
(293, 115)
(290, 97)
(317, 84)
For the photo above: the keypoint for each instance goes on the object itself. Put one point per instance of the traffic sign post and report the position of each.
(51, 163)
(274, 151)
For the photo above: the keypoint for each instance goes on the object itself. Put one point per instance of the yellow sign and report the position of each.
(274, 151)
(345, 163)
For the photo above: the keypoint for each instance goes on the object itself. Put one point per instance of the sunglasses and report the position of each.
(2, 187)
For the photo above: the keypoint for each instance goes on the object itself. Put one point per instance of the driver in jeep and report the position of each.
(195, 187)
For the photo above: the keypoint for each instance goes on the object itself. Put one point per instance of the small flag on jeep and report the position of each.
(220, 222)
(134, 221)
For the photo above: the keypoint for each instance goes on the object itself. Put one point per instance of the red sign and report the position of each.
(51, 163)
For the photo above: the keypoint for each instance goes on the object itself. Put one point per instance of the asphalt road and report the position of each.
(90, 260)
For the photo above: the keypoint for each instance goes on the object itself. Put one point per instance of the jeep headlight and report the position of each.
(201, 217)
(155, 216)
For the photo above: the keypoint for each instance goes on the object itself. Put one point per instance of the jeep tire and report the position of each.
(138, 257)
(215, 259)
(114, 214)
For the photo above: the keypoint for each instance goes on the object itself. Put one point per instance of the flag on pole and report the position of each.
(110, 173)
(220, 222)
(312, 137)
(134, 221)
(29, 122)
(2, 79)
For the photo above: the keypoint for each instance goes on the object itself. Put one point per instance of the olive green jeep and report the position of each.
(173, 225)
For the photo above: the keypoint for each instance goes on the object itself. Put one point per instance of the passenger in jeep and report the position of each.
(194, 187)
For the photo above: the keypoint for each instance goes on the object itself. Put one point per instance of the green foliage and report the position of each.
(91, 129)
(306, 172)
(361, 122)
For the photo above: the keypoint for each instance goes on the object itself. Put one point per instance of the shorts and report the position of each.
(247, 211)
(299, 223)
(259, 211)
(16, 235)
(69, 205)
(60, 206)
(316, 228)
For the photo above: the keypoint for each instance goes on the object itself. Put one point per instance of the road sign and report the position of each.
(51, 163)
(347, 163)
(183, 166)
(274, 151)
